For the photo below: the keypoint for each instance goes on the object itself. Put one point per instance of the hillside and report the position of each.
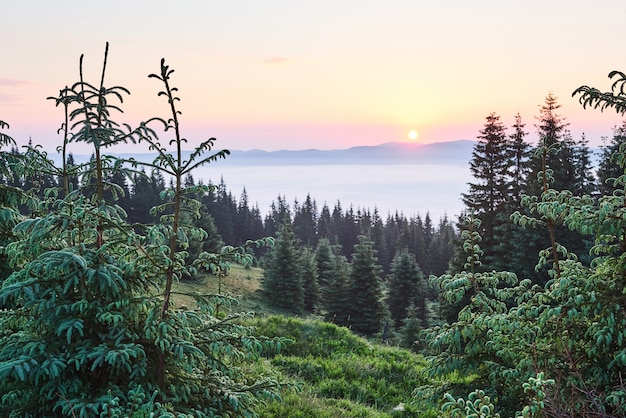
(336, 373)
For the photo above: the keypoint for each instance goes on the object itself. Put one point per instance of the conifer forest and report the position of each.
(514, 308)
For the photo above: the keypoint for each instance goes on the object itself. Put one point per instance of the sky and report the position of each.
(284, 74)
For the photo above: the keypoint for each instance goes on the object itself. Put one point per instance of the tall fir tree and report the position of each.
(366, 309)
(282, 280)
(326, 271)
(310, 286)
(305, 222)
(248, 222)
(337, 297)
(508, 237)
(489, 191)
(551, 128)
(608, 167)
(325, 228)
(405, 287)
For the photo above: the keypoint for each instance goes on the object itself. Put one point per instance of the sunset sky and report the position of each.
(316, 74)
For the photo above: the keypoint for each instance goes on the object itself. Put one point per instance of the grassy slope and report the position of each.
(339, 374)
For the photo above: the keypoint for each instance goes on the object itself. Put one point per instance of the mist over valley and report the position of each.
(409, 178)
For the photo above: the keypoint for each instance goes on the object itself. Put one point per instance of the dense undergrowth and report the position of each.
(341, 374)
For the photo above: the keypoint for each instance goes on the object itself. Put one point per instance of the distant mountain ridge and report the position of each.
(452, 152)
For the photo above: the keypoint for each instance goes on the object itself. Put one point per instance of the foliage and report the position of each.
(310, 287)
(90, 328)
(410, 329)
(557, 350)
(615, 99)
(478, 405)
(337, 294)
(488, 192)
(342, 374)
(405, 287)
(608, 169)
(282, 282)
(365, 308)
(10, 198)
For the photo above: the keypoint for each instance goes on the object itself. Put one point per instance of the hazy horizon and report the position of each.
(324, 75)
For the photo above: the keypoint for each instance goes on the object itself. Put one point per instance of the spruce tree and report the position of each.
(510, 237)
(410, 329)
(90, 327)
(608, 167)
(405, 287)
(325, 228)
(282, 280)
(326, 271)
(551, 128)
(366, 309)
(308, 268)
(249, 224)
(337, 297)
(489, 191)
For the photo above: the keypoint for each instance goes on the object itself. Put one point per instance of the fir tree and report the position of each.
(405, 287)
(488, 193)
(305, 222)
(410, 329)
(366, 309)
(90, 328)
(326, 271)
(282, 280)
(608, 167)
(510, 237)
(249, 224)
(308, 268)
(337, 297)
(325, 226)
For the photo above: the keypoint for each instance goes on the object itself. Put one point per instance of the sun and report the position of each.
(412, 135)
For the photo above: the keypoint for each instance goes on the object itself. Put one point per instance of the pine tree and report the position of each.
(282, 280)
(326, 271)
(248, 224)
(90, 328)
(584, 179)
(305, 222)
(488, 193)
(518, 155)
(608, 167)
(347, 228)
(551, 129)
(325, 227)
(225, 212)
(337, 297)
(308, 268)
(72, 178)
(510, 237)
(366, 309)
(410, 329)
(377, 237)
(279, 214)
(405, 287)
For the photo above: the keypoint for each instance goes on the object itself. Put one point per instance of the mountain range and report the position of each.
(452, 152)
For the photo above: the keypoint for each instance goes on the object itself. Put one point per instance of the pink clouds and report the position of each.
(275, 60)
(9, 82)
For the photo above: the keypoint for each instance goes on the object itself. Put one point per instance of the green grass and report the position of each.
(242, 283)
(339, 374)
